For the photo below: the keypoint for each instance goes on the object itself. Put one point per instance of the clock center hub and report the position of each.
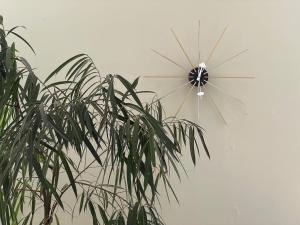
(198, 75)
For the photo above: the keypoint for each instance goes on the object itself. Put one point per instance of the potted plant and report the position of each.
(87, 135)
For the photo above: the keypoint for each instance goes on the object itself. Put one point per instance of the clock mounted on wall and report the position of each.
(200, 75)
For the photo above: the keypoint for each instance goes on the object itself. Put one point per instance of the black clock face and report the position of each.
(193, 76)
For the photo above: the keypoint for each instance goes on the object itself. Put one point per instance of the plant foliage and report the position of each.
(89, 135)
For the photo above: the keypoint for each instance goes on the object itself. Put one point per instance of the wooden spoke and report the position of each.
(231, 77)
(164, 76)
(198, 39)
(216, 45)
(184, 100)
(170, 60)
(182, 48)
(174, 90)
(215, 107)
(224, 92)
(229, 59)
(198, 102)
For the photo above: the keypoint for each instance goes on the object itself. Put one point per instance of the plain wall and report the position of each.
(253, 177)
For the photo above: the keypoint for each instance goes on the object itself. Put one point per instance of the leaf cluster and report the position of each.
(89, 135)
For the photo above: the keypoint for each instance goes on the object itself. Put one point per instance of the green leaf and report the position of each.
(62, 66)
(132, 215)
(55, 84)
(130, 88)
(121, 220)
(57, 220)
(81, 202)
(203, 142)
(92, 150)
(14, 28)
(69, 173)
(103, 215)
(192, 144)
(93, 213)
(10, 57)
(142, 216)
(24, 40)
(45, 182)
(26, 220)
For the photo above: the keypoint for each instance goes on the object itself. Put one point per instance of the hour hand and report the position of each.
(201, 67)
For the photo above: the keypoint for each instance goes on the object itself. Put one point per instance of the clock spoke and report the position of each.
(182, 48)
(198, 40)
(198, 102)
(237, 102)
(199, 76)
(164, 76)
(229, 59)
(216, 45)
(170, 60)
(184, 100)
(215, 107)
(173, 90)
(231, 77)
(224, 92)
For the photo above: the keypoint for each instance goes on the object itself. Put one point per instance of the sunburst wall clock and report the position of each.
(200, 75)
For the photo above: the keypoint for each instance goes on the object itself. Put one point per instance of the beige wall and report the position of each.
(254, 175)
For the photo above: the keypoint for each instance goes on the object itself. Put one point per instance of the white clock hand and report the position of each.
(202, 66)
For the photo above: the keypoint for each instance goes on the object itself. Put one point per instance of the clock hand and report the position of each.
(198, 102)
(200, 93)
(201, 67)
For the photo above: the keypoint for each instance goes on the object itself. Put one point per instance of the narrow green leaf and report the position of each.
(57, 220)
(130, 87)
(14, 28)
(203, 142)
(192, 144)
(45, 182)
(26, 220)
(92, 149)
(93, 213)
(81, 202)
(24, 40)
(103, 215)
(132, 215)
(63, 65)
(69, 173)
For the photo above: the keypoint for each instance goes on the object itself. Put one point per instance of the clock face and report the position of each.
(198, 75)
(201, 75)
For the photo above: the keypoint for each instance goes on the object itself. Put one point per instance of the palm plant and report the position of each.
(88, 135)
